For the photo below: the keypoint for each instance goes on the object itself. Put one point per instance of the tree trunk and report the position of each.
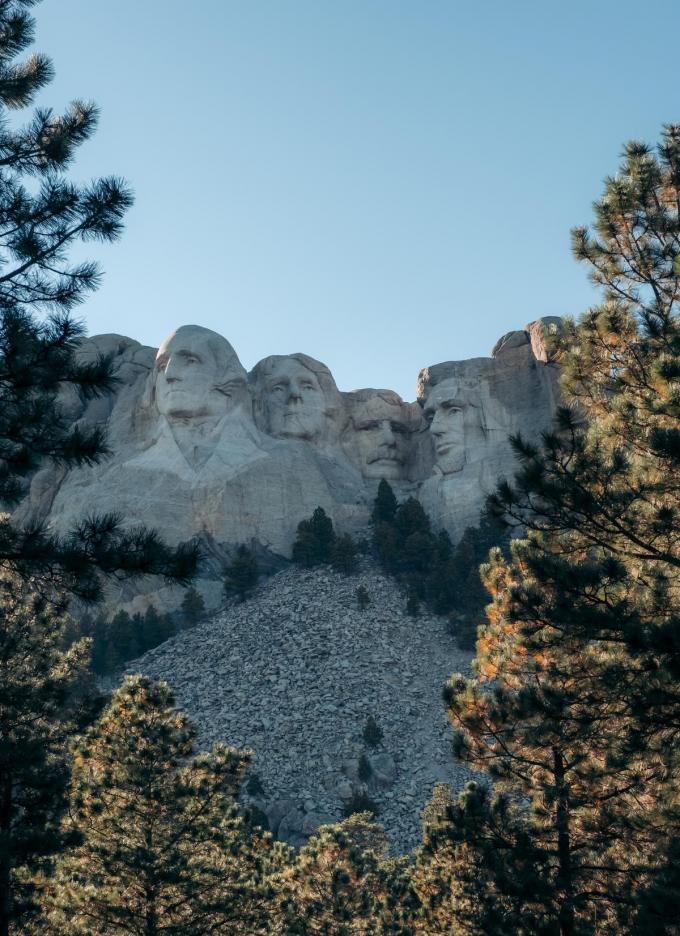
(564, 875)
(5, 856)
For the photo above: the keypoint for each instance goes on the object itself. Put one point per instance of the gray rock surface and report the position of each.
(294, 672)
(202, 449)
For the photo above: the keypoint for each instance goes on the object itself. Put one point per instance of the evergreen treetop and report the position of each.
(315, 540)
(163, 848)
(42, 216)
(385, 504)
(580, 650)
(41, 700)
(242, 573)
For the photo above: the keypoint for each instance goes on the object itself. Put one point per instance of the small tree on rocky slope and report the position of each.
(315, 540)
(242, 573)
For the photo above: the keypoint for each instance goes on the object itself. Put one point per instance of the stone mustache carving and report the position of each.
(202, 448)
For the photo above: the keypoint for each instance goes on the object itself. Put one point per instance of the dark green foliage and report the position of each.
(476, 872)
(575, 709)
(254, 785)
(360, 802)
(42, 688)
(162, 845)
(344, 554)
(372, 733)
(341, 884)
(242, 574)
(363, 598)
(385, 504)
(192, 607)
(466, 595)
(315, 540)
(432, 571)
(124, 637)
(412, 606)
(43, 216)
(125, 642)
(156, 628)
(364, 769)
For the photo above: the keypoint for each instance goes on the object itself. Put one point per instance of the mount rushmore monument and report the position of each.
(200, 447)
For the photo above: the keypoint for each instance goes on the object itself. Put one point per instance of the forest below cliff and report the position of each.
(111, 819)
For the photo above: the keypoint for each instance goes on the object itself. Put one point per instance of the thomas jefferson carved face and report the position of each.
(297, 398)
(381, 433)
(198, 376)
(445, 410)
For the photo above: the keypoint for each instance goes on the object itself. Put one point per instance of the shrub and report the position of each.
(412, 606)
(360, 802)
(344, 554)
(364, 769)
(373, 733)
(363, 598)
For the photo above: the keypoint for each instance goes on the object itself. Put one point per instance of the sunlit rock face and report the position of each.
(202, 449)
(471, 409)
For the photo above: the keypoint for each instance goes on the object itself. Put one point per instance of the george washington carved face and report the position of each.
(198, 376)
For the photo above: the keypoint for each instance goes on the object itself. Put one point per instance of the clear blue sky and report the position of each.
(381, 184)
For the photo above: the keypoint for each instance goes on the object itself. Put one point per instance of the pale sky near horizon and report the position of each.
(380, 184)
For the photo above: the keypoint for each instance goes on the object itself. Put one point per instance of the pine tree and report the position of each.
(192, 607)
(123, 639)
(42, 216)
(372, 733)
(385, 504)
(364, 769)
(156, 628)
(344, 554)
(363, 598)
(315, 540)
(412, 605)
(163, 848)
(242, 574)
(340, 884)
(462, 592)
(581, 642)
(468, 874)
(40, 687)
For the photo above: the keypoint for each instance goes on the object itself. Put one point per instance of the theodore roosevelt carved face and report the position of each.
(380, 429)
(198, 377)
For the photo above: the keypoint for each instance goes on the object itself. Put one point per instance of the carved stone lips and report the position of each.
(443, 448)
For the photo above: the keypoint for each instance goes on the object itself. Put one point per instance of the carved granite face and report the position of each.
(445, 411)
(380, 432)
(297, 398)
(198, 376)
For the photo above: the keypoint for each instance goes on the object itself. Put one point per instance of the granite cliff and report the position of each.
(201, 448)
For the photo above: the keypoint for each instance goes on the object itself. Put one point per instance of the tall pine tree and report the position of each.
(42, 216)
(40, 685)
(163, 848)
(581, 656)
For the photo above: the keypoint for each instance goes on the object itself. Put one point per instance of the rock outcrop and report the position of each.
(203, 449)
(294, 673)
